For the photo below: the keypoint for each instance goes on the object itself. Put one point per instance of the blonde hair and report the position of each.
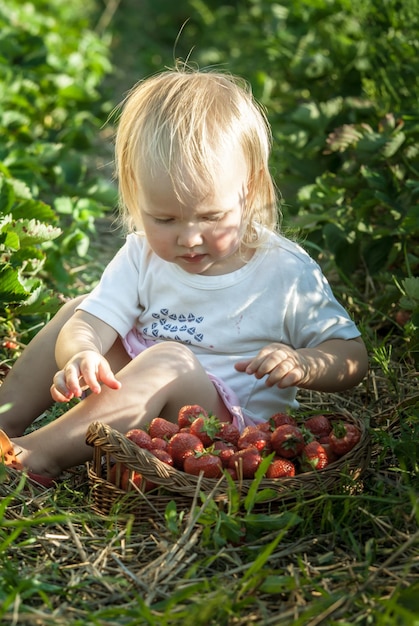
(178, 120)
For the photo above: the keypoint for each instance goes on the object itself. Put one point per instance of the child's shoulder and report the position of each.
(287, 248)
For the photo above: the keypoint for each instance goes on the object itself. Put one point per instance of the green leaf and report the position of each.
(34, 210)
(7, 195)
(10, 240)
(409, 598)
(271, 522)
(273, 584)
(64, 205)
(341, 138)
(41, 301)
(411, 287)
(377, 253)
(393, 145)
(32, 231)
(11, 289)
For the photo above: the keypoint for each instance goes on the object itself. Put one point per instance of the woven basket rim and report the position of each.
(107, 440)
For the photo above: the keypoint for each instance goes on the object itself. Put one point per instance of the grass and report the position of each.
(328, 559)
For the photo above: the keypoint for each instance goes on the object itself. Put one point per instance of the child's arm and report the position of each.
(79, 351)
(334, 365)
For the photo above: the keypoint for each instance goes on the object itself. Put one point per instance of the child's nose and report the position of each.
(190, 236)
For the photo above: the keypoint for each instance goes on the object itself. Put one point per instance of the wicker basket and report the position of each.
(111, 447)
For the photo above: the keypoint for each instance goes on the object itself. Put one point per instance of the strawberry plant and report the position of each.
(25, 224)
(51, 110)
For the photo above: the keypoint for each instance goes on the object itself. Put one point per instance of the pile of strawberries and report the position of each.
(200, 443)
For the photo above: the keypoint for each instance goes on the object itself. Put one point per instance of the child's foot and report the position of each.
(8, 457)
(7, 451)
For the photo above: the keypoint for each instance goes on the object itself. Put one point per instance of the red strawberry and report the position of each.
(319, 425)
(188, 413)
(314, 456)
(162, 428)
(229, 433)
(344, 437)
(130, 477)
(224, 450)
(287, 441)
(232, 472)
(158, 442)
(265, 427)
(162, 455)
(10, 345)
(128, 474)
(206, 463)
(116, 473)
(245, 462)
(280, 468)
(182, 445)
(278, 419)
(206, 428)
(140, 438)
(332, 456)
(253, 436)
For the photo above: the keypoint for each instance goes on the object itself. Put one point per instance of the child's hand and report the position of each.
(85, 370)
(283, 366)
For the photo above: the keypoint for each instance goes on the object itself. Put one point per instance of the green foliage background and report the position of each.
(339, 80)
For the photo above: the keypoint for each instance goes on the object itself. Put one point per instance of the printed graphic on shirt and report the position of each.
(183, 327)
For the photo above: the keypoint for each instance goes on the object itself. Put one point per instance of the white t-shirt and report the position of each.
(280, 295)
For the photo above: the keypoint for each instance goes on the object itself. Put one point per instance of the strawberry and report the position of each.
(319, 425)
(278, 419)
(206, 463)
(253, 436)
(158, 442)
(140, 438)
(280, 468)
(130, 477)
(115, 473)
(224, 450)
(162, 455)
(332, 456)
(182, 445)
(10, 345)
(245, 462)
(344, 437)
(188, 413)
(229, 433)
(161, 428)
(265, 427)
(136, 478)
(314, 456)
(287, 441)
(232, 472)
(206, 428)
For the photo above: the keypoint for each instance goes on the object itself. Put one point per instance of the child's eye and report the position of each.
(214, 217)
(163, 220)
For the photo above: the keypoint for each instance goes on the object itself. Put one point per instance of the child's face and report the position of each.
(201, 236)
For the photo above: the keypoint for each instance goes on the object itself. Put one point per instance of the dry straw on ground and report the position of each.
(93, 566)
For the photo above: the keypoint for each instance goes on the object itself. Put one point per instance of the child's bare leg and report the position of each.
(25, 391)
(157, 383)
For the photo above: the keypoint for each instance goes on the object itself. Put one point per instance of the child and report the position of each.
(204, 304)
